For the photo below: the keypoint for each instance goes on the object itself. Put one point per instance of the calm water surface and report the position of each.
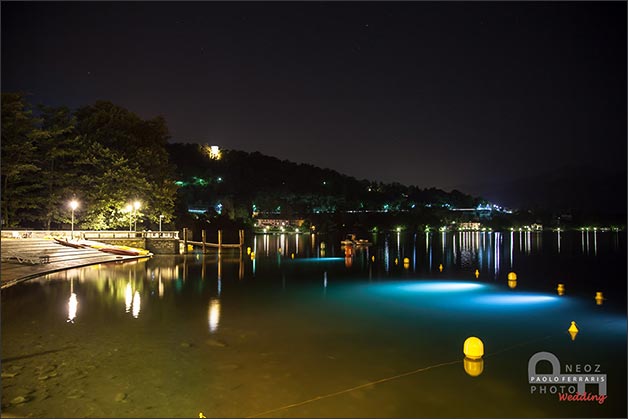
(300, 330)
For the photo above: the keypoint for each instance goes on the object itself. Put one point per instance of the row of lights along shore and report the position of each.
(131, 208)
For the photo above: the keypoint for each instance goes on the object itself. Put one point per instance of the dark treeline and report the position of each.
(107, 157)
(239, 184)
(102, 155)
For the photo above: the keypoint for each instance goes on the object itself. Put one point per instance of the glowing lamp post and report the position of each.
(136, 206)
(73, 205)
(129, 209)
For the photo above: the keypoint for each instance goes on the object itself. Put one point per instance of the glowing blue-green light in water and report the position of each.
(441, 286)
(305, 260)
(514, 299)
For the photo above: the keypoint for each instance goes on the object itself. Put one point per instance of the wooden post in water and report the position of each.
(219, 241)
(204, 240)
(241, 237)
(185, 240)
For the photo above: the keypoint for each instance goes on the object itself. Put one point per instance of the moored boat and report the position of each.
(351, 240)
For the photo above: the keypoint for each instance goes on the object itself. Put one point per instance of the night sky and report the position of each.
(431, 94)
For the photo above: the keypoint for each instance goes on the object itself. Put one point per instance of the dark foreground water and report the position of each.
(303, 331)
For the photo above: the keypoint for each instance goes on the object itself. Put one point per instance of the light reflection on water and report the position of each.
(178, 335)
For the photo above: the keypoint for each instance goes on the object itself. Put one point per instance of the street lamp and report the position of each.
(136, 206)
(73, 205)
(129, 209)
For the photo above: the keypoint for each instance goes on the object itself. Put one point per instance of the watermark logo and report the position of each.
(571, 384)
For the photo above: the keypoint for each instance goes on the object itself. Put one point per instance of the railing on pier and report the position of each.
(89, 234)
(93, 235)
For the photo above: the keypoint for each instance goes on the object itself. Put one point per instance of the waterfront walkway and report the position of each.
(23, 259)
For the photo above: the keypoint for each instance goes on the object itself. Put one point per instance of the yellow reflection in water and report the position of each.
(599, 298)
(72, 306)
(473, 367)
(136, 304)
(213, 314)
(128, 296)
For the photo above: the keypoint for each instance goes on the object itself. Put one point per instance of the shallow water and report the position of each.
(321, 335)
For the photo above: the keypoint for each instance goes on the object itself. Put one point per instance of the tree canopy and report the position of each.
(102, 155)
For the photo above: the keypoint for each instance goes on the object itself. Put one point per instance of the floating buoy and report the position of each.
(252, 255)
(201, 415)
(440, 267)
(372, 258)
(248, 250)
(292, 255)
(599, 298)
(396, 261)
(473, 367)
(322, 245)
(573, 330)
(473, 348)
(477, 273)
(279, 250)
(561, 289)
(512, 283)
(512, 276)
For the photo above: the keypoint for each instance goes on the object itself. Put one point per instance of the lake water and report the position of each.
(301, 330)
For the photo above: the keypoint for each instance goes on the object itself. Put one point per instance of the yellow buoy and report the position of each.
(248, 250)
(406, 260)
(473, 367)
(473, 348)
(599, 298)
(512, 276)
(322, 245)
(512, 283)
(561, 289)
(372, 258)
(477, 273)
(396, 261)
(252, 255)
(279, 250)
(573, 330)
(440, 267)
(201, 415)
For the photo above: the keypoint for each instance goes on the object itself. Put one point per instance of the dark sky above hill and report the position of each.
(432, 94)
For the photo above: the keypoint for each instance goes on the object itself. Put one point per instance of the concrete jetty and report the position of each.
(26, 258)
